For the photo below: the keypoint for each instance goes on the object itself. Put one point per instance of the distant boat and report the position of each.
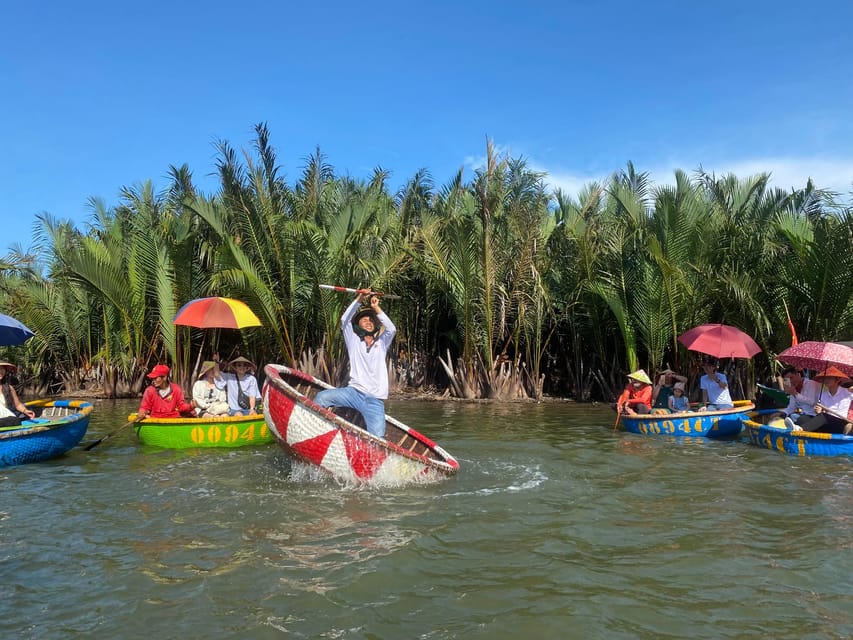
(798, 443)
(337, 443)
(187, 433)
(58, 427)
(699, 424)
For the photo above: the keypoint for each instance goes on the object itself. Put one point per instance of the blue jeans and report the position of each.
(720, 407)
(371, 409)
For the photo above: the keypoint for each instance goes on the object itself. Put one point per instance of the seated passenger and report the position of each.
(637, 395)
(209, 400)
(12, 410)
(833, 405)
(163, 399)
(715, 388)
(241, 386)
(678, 402)
(663, 389)
(802, 395)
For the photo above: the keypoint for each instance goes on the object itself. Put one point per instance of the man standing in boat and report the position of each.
(368, 335)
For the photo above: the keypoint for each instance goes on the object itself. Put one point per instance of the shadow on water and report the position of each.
(556, 526)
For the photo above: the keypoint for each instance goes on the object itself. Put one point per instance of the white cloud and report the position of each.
(785, 173)
(788, 173)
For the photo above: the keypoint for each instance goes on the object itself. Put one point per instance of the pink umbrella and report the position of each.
(818, 356)
(720, 341)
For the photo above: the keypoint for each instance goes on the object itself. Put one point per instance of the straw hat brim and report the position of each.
(244, 361)
(205, 367)
(640, 376)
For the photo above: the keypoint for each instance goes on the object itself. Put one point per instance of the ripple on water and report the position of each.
(555, 527)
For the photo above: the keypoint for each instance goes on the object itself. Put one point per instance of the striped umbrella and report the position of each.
(222, 313)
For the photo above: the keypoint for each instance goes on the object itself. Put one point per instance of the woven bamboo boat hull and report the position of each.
(335, 441)
(225, 432)
(798, 443)
(698, 424)
(58, 427)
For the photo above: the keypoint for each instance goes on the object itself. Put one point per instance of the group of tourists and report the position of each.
(368, 333)
(233, 392)
(669, 394)
(818, 404)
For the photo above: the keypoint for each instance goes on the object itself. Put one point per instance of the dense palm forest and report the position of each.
(507, 289)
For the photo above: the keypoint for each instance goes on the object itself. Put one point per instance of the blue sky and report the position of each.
(99, 95)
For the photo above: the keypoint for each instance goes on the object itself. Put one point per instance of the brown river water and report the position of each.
(555, 527)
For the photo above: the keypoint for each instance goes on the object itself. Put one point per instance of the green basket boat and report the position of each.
(188, 433)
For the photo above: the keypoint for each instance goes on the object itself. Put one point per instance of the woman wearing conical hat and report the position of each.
(833, 407)
(637, 395)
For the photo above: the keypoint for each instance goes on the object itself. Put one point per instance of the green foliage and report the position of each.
(515, 290)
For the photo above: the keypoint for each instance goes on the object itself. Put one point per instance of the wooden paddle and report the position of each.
(618, 417)
(94, 444)
(367, 292)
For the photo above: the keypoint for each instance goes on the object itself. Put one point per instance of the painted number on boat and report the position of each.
(231, 433)
(663, 427)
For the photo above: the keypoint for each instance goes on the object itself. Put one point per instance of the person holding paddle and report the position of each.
(163, 399)
(636, 397)
(368, 335)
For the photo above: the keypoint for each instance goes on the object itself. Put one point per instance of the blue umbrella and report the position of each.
(12, 332)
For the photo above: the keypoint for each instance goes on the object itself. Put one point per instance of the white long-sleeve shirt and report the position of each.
(367, 369)
(839, 403)
(804, 400)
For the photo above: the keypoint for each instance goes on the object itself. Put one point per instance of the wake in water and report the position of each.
(304, 473)
(502, 476)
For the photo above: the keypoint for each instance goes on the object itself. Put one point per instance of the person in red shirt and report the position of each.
(163, 399)
(637, 395)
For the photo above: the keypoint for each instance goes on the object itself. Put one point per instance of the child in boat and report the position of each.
(663, 389)
(678, 402)
(637, 395)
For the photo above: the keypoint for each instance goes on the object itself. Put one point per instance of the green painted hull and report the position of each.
(226, 432)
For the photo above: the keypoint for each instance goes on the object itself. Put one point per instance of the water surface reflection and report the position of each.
(555, 527)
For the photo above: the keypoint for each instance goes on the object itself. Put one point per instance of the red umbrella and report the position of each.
(819, 355)
(225, 313)
(720, 341)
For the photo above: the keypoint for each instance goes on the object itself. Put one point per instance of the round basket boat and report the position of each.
(336, 442)
(186, 433)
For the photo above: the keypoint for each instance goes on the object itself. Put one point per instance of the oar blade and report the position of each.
(94, 444)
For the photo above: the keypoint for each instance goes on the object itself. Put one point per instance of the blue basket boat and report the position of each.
(797, 443)
(725, 423)
(59, 426)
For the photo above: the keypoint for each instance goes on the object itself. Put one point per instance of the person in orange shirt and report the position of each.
(637, 395)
